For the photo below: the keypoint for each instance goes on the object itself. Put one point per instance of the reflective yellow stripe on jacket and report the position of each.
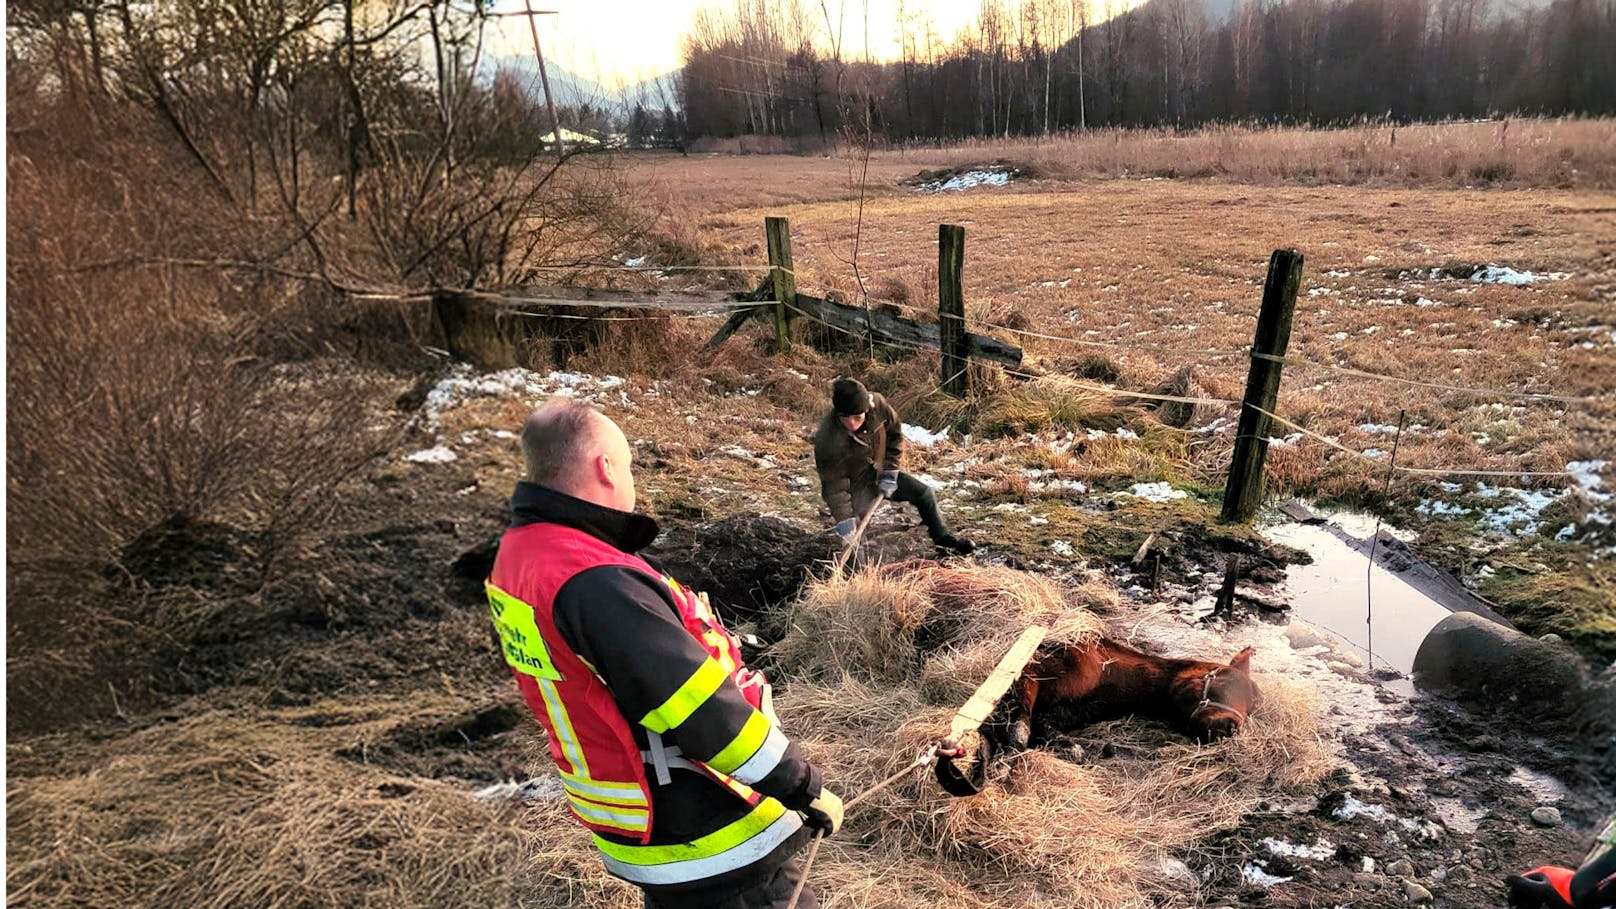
(691, 695)
(737, 845)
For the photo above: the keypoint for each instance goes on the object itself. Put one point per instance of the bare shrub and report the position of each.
(135, 400)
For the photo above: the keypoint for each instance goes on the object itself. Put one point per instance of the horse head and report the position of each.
(1215, 700)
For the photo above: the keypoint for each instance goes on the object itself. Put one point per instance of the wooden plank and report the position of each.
(952, 340)
(900, 332)
(518, 298)
(980, 706)
(781, 272)
(730, 327)
(1244, 491)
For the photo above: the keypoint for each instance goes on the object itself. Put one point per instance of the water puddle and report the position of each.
(1333, 594)
(1547, 789)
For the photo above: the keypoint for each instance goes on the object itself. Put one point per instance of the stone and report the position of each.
(1401, 868)
(1546, 816)
(1550, 638)
(1416, 893)
(1488, 665)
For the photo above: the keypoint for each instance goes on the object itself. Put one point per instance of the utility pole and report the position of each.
(544, 78)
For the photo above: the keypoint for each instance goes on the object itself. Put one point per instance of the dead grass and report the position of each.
(1088, 829)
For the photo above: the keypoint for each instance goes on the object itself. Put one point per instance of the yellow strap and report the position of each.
(721, 840)
(743, 746)
(682, 703)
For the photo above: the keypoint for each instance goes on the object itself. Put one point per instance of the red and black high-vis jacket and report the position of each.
(657, 728)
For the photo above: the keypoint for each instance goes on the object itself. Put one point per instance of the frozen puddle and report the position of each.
(1333, 594)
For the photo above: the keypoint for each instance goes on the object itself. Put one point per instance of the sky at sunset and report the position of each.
(623, 41)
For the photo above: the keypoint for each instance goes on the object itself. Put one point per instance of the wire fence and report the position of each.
(1119, 347)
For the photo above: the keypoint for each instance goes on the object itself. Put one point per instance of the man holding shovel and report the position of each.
(858, 450)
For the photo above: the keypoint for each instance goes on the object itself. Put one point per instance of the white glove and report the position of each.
(889, 482)
(824, 814)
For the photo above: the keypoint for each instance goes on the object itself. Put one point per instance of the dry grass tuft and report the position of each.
(1051, 402)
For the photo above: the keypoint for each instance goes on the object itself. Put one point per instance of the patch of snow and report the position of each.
(1499, 274)
(967, 180)
(1216, 426)
(1587, 476)
(1036, 520)
(923, 437)
(1292, 439)
(1319, 851)
(1352, 808)
(437, 454)
(1256, 875)
(1155, 492)
(1063, 548)
(1424, 302)
(464, 384)
(634, 262)
(1374, 453)
(1378, 429)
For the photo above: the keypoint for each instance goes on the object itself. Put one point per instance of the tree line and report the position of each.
(779, 67)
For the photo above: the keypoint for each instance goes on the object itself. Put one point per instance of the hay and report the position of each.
(1047, 828)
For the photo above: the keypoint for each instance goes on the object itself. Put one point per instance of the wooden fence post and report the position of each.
(781, 271)
(951, 309)
(1244, 491)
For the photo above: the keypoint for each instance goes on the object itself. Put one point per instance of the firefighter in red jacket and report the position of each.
(666, 743)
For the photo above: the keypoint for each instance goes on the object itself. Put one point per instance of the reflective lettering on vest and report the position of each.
(519, 636)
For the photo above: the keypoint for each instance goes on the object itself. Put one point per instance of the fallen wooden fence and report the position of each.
(497, 328)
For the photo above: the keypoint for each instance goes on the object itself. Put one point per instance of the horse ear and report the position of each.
(1242, 660)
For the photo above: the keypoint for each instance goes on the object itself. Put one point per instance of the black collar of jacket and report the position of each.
(535, 504)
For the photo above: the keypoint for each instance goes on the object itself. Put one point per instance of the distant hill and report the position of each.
(571, 88)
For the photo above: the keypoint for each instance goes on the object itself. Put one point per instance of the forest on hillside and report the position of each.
(781, 68)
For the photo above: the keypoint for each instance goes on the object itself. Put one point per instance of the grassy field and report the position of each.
(1128, 280)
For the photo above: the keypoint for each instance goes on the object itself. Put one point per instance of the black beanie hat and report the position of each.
(849, 397)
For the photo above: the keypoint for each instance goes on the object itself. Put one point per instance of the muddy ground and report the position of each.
(371, 645)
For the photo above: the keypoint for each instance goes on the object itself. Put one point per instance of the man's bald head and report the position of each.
(575, 449)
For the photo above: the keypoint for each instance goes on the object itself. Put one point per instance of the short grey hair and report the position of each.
(555, 439)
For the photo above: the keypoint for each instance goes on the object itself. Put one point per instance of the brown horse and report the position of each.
(1069, 686)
